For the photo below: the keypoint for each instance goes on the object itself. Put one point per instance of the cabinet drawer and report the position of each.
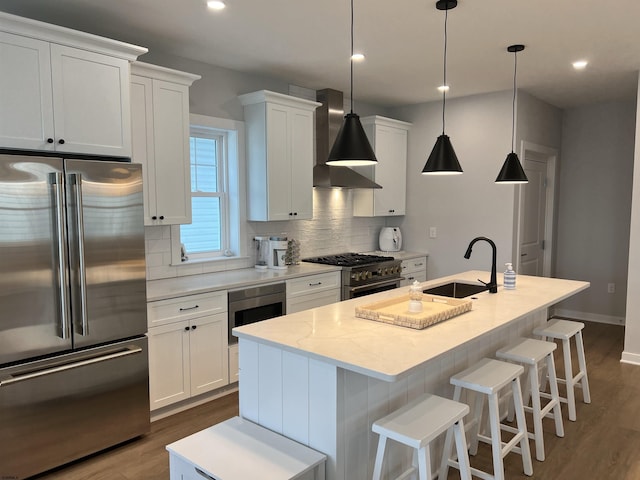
(313, 283)
(184, 308)
(411, 277)
(304, 302)
(414, 265)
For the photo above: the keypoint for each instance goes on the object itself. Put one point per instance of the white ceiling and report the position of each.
(307, 43)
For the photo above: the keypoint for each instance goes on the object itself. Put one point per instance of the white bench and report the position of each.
(238, 449)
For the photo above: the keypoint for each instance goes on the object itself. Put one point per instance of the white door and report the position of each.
(26, 107)
(169, 378)
(171, 203)
(279, 162)
(209, 353)
(301, 164)
(91, 102)
(391, 171)
(532, 226)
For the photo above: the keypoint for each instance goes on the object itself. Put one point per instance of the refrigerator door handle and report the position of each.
(10, 379)
(57, 180)
(76, 181)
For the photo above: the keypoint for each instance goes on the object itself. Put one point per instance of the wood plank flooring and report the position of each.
(602, 444)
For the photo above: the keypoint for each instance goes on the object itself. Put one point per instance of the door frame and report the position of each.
(550, 156)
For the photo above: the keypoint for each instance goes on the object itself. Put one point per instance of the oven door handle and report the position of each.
(375, 284)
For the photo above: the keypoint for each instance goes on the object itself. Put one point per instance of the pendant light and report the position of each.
(512, 171)
(443, 159)
(351, 147)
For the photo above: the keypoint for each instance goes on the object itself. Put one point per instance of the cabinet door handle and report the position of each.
(49, 140)
(202, 474)
(417, 264)
(161, 217)
(61, 141)
(315, 284)
(189, 308)
(154, 218)
(186, 329)
(194, 327)
(295, 213)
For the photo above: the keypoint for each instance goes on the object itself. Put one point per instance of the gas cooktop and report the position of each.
(348, 259)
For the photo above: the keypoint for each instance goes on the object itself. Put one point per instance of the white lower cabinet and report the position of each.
(414, 269)
(188, 352)
(313, 291)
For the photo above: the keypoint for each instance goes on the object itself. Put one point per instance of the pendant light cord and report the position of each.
(351, 58)
(444, 89)
(513, 106)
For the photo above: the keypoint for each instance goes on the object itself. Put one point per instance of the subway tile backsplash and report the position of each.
(333, 229)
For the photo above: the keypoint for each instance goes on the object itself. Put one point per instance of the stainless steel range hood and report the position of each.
(328, 122)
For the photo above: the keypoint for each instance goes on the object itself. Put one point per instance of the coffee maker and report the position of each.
(277, 252)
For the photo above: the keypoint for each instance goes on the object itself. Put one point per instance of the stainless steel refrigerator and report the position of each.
(73, 351)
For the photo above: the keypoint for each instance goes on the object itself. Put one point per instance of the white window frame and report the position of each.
(232, 132)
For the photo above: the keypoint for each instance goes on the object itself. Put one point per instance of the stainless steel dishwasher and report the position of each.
(255, 304)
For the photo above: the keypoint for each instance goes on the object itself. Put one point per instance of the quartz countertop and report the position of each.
(333, 334)
(228, 280)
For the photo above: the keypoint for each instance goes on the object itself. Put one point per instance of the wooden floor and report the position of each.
(604, 442)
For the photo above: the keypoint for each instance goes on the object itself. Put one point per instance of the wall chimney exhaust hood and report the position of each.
(328, 122)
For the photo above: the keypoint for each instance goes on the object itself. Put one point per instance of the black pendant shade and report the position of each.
(512, 171)
(351, 147)
(443, 159)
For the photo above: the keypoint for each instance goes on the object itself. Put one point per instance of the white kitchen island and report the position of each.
(323, 376)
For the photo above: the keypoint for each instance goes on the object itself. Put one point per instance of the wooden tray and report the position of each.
(396, 311)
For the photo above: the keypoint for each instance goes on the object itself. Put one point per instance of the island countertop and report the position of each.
(333, 334)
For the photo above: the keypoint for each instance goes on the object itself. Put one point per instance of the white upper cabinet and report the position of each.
(160, 131)
(388, 138)
(280, 149)
(62, 90)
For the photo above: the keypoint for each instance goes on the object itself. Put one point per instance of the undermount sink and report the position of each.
(456, 289)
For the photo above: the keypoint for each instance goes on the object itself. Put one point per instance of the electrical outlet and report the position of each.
(433, 232)
(611, 288)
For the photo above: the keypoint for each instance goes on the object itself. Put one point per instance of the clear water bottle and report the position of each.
(509, 277)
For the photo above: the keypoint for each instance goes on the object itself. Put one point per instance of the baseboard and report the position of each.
(630, 358)
(588, 317)
(192, 402)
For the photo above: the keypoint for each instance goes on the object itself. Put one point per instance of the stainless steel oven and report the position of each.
(255, 304)
(364, 274)
(369, 288)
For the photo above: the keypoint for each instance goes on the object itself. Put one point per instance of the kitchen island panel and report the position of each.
(332, 409)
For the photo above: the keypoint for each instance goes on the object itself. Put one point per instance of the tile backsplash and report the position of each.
(333, 229)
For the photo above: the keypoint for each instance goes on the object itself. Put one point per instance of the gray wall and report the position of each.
(464, 206)
(594, 207)
(216, 93)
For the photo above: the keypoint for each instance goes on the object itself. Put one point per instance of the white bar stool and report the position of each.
(487, 378)
(531, 353)
(416, 425)
(564, 330)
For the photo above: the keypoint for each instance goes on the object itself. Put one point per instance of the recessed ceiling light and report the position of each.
(443, 88)
(216, 4)
(357, 57)
(580, 64)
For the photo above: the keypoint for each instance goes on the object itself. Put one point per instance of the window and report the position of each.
(215, 193)
(207, 234)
